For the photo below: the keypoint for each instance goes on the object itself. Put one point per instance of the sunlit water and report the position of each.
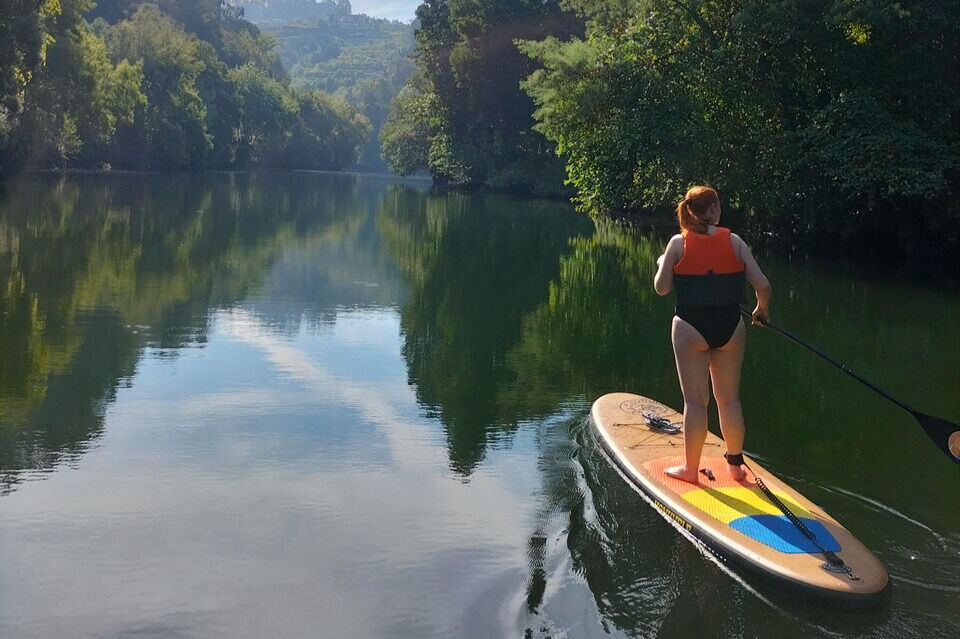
(306, 405)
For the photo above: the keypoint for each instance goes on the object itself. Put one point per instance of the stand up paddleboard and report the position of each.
(736, 520)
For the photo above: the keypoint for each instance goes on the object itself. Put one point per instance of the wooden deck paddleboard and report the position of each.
(734, 519)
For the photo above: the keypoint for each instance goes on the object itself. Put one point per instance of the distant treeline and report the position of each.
(361, 59)
(286, 11)
(163, 84)
(809, 117)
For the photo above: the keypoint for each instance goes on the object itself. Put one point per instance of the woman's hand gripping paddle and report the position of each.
(945, 434)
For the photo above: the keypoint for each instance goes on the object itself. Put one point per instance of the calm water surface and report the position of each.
(307, 405)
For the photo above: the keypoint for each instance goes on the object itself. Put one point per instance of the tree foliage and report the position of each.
(361, 59)
(478, 129)
(327, 134)
(165, 84)
(810, 116)
(25, 35)
(286, 11)
(171, 127)
(406, 135)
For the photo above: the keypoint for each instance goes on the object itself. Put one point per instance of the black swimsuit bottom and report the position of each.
(715, 323)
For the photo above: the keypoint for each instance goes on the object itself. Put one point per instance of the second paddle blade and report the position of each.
(945, 434)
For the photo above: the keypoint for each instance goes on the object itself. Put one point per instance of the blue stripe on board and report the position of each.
(777, 532)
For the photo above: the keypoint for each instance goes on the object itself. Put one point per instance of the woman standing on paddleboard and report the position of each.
(707, 265)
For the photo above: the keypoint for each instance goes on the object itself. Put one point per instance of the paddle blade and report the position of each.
(946, 435)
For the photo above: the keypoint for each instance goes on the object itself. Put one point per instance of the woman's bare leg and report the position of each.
(693, 368)
(725, 363)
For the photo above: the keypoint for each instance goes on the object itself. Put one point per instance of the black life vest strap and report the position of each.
(710, 289)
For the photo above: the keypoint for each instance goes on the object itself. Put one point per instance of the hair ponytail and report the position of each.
(692, 209)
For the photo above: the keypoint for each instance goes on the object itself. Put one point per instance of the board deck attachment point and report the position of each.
(662, 424)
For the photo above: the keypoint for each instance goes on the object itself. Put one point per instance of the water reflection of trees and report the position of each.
(601, 329)
(486, 352)
(96, 268)
(516, 307)
(477, 266)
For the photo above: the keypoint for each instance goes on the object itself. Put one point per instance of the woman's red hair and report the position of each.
(694, 206)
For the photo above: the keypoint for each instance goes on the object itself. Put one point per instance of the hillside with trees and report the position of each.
(170, 84)
(360, 59)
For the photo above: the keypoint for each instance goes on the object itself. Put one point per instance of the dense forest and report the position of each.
(809, 117)
(462, 114)
(360, 59)
(166, 84)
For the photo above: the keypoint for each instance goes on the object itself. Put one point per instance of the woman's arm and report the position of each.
(663, 280)
(759, 281)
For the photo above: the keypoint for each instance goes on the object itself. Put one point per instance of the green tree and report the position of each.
(407, 135)
(26, 27)
(170, 130)
(467, 53)
(362, 59)
(810, 117)
(168, 84)
(78, 97)
(267, 113)
(328, 133)
(220, 98)
(25, 35)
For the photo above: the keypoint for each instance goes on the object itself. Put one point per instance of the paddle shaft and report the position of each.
(841, 366)
(945, 434)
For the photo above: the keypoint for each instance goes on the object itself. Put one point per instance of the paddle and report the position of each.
(945, 434)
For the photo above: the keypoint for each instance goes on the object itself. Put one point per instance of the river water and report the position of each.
(309, 405)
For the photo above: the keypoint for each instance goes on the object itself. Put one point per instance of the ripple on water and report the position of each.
(915, 554)
(649, 581)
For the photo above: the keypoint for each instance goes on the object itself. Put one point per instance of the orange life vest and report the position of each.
(709, 273)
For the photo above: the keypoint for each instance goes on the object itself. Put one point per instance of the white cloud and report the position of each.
(413, 442)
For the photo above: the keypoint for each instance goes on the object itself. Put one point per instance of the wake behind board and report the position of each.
(734, 519)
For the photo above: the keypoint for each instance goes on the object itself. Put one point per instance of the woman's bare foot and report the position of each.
(736, 472)
(681, 472)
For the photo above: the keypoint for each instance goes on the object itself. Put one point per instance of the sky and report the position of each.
(391, 9)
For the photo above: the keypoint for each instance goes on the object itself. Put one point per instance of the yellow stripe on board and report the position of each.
(729, 503)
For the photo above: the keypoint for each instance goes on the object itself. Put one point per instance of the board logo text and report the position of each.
(674, 516)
